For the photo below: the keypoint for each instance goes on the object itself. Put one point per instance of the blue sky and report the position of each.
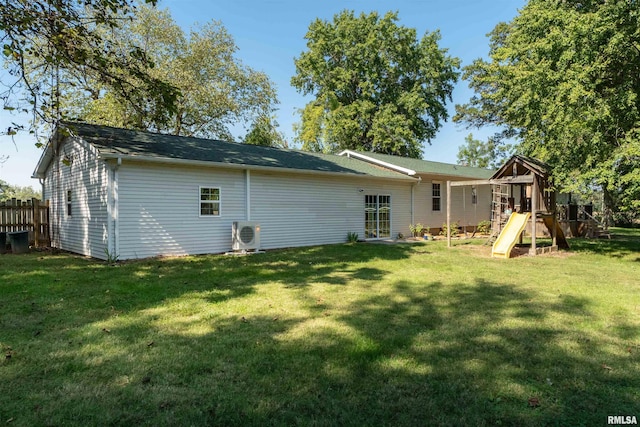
(270, 34)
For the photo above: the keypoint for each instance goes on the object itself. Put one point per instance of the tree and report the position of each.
(216, 90)
(491, 154)
(376, 86)
(265, 132)
(563, 79)
(8, 191)
(43, 38)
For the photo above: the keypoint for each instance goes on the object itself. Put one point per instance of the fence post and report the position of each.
(47, 222)
(35, 214)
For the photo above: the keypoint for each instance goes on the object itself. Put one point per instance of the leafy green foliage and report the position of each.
(43, 38)
(352, 237)
(376, 86)
(8, 191)
(417, 229)
(484, 227)
(454, 229)
(490, 154)
(563, 80)
(216, 90)
(265, 132)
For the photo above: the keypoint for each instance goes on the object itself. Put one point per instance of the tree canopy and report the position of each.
(216, 91)
(264, 131)
(376, 86)
(563, 80)
(8, 191)
(42, 38)
(489, 154)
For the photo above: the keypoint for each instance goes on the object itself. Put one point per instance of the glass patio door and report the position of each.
(377, 216)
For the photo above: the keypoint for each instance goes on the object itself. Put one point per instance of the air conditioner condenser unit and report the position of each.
(245, 235)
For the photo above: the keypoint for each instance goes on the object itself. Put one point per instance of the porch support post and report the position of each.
(448, 214)
(535, 193)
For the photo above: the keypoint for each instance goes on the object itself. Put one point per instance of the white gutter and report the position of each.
(204, 163)
(387, 165)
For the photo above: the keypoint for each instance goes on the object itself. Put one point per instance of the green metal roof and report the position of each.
(427, 167)
(113, 142)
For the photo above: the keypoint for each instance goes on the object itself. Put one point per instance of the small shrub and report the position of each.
(484, 227)
(416, 230)
(352, 237)
(454, 229)
(112, 258)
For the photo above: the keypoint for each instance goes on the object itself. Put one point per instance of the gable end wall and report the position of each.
(79, 170)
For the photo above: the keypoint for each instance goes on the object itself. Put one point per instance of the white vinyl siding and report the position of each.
(76, 185)
(158, 216)
(303, 210)
(463, 211)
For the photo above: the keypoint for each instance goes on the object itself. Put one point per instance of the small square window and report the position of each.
(209, 201)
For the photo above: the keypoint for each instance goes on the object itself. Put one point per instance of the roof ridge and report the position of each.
(421, 160)
(148, 146)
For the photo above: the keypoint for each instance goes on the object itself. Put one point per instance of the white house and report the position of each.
(133, 194)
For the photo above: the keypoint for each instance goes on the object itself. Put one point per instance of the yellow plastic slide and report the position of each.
(509, 234)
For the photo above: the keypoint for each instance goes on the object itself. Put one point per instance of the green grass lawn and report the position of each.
(353, 334)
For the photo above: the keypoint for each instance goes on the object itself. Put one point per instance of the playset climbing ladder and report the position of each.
(499, 205)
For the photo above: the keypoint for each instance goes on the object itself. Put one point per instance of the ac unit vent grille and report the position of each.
(246, 235)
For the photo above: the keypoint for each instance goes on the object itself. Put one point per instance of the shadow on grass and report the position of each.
(410, 353)
(136, 285)
(623, 242)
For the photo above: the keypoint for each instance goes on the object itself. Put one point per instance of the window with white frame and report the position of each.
(435, 196)
(210, 201)
(474, 195)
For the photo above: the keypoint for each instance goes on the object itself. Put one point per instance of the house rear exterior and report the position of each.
(133, 194)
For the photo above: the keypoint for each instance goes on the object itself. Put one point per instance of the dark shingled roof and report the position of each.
(114, 142)
(148, 145)
(524, 165)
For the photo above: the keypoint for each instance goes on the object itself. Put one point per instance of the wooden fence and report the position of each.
(31, 215)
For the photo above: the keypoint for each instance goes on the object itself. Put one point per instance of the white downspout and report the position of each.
(116, 207)
(42, 180)
(113, 225)
(247, 180)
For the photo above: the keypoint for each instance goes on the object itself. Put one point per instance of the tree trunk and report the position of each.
(609, 205)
